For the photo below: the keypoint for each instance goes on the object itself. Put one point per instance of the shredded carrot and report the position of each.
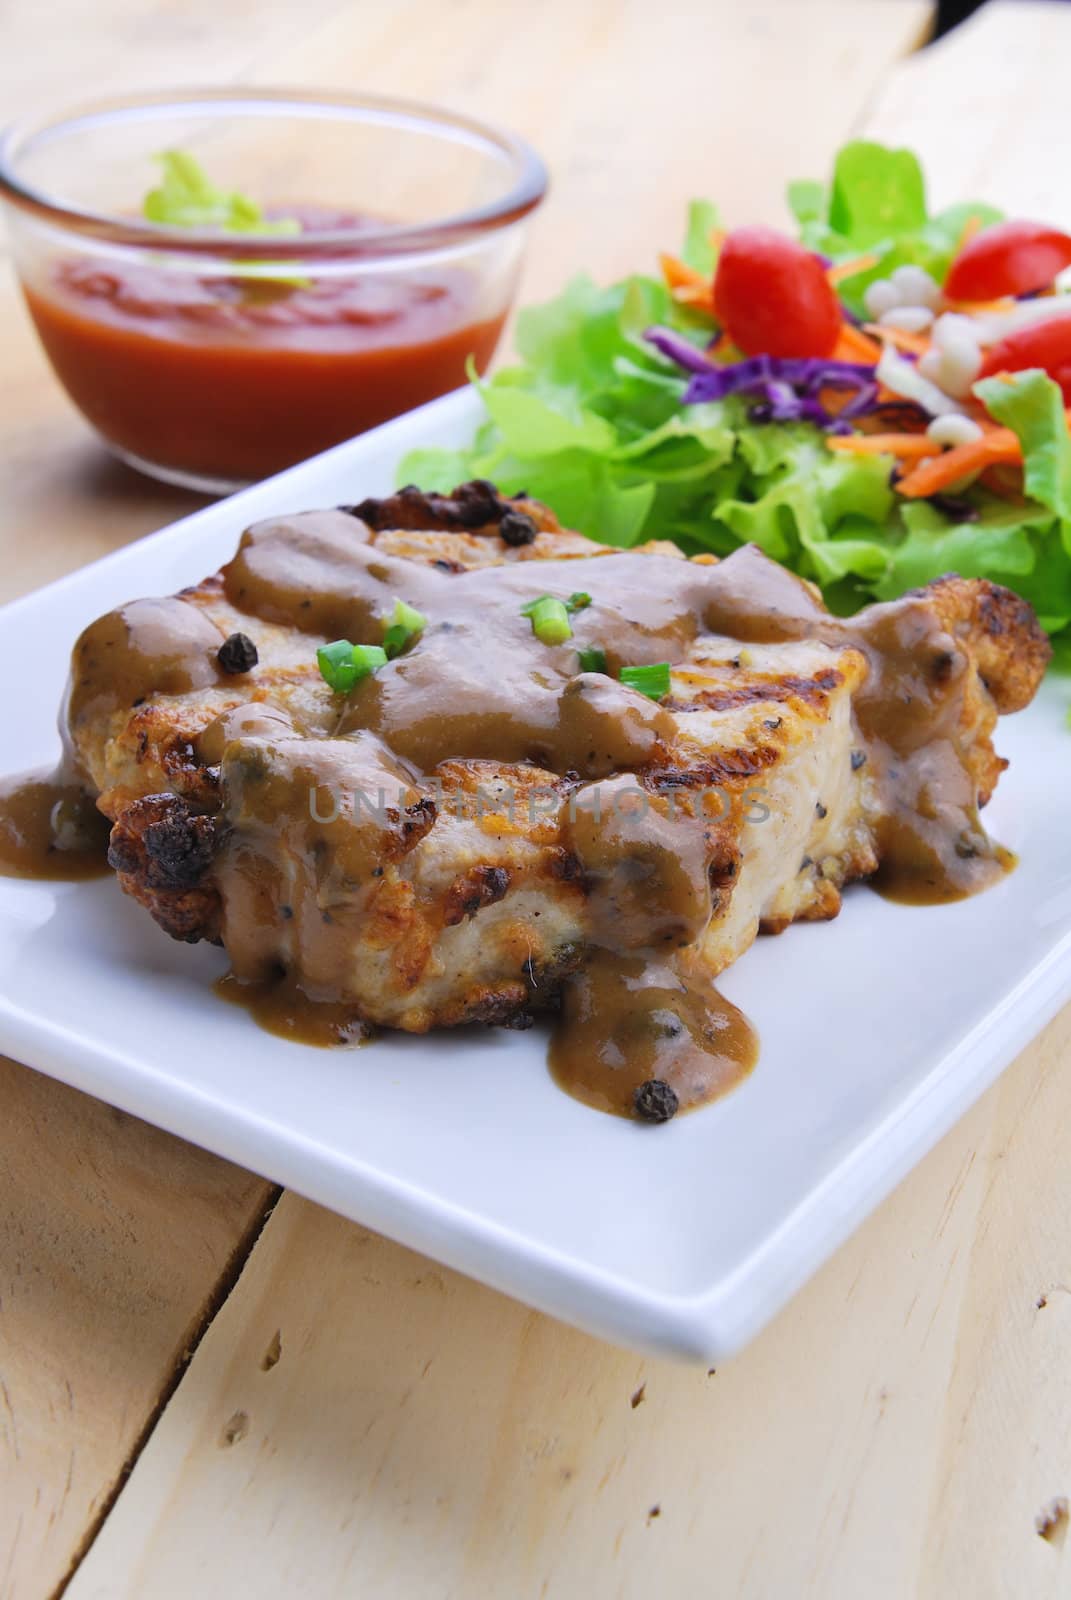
(972, 226)
(1008, 303)
(915, 344)
(679, 275)
(700, 299)
(848, 269)
(687, 286)
(998, 448)
(907, 446)
(853, 345)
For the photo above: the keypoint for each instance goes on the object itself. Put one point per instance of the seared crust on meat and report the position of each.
(999, 629)
(468, 900)
(475, 526)
(472, 507)
(162, 853)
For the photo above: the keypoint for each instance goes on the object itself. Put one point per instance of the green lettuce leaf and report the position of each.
(877, 193)
(1048, 585)
(528, 425)
(698, 250)
(814, 507)
(1032, 406)
(876, 206)
(1000, 544)
(807, 200)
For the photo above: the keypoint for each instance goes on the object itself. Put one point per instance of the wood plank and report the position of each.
(114, 1238)
(60, 52)
(420, 1436)
(635, 107)
(985, 105)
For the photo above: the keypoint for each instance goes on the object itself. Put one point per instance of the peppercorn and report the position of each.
(237, 653)
(517, 528)
(655, 1101)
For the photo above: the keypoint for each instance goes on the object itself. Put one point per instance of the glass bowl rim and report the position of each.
(523, 196)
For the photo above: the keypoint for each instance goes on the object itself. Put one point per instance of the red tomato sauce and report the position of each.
(238, 377)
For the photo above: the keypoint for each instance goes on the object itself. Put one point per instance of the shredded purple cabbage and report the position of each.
(787, 388)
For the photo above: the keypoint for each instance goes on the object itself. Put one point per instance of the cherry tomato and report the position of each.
(772, 296)
(1008, 258)
(1046, 345)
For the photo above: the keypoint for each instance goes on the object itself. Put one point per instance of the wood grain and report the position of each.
(358, 1420)
(893, 1434)
(986, 105)
(113, 1240)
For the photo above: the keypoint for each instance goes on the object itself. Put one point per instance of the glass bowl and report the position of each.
(211, 358)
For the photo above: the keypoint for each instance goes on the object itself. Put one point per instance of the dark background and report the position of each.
(949, 12)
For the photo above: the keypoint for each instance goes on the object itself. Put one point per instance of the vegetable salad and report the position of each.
(875, 402)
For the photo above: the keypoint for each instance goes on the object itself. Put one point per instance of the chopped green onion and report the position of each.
(406, 624)
(407, 616)
(368, 658)
(549, 618)
(343, 664)
(337, 666)
(592, 659)
(652, 680)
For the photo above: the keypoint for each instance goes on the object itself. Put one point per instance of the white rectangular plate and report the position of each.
(877, 1030)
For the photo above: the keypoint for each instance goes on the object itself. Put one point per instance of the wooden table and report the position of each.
(208, 1388)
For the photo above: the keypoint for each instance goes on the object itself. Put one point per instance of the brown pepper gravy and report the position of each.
(49, 824)
(627, 1019)
(478, 684)
(284, 1008)
(146, 647)
(50, 828)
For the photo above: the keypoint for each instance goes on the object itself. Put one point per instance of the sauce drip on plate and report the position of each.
(625, 1021)
(50, 828)
(282, 1006)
